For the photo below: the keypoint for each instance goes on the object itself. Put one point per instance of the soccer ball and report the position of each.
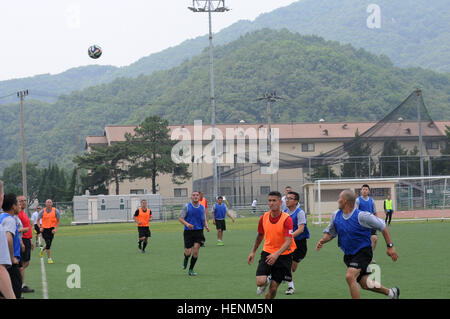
(95, 51)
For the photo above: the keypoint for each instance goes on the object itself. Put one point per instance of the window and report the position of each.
(264, 190)
(102, 205)
(432, 145)
(122, 204)
(137, 191)
(307, 147)
(180, 192)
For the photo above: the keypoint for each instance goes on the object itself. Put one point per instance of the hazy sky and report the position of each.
(51, 36)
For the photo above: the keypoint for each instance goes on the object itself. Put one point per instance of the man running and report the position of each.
(353, 228)
(193, 217)
(143, 216)
(219, 212)
(276, 261)
(300, 233)
(49, 217)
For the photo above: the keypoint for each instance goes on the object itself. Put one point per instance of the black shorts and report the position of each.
(300, 252)
(16, 279)
(144, 232)
(193, 236)
(48, 237)
(360, 260)
(220, 224)
(281, 270)
(37, 229)
(26, 254)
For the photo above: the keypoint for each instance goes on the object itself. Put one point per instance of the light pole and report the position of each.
(21, 95)
(211, 6)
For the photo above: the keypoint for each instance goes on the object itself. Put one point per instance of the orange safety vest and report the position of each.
(274, 235)
(204, 202)
(49, 220)
(143, 217)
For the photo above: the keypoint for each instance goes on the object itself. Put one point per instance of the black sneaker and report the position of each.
(27, 289)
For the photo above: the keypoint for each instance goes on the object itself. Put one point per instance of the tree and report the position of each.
(358, 166)
(105, 165)
(388, 163)
(12, 178)
(150, 153)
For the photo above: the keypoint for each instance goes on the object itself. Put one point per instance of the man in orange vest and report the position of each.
(49, 218)
(202, 200)
(143, 216)
(276, 261)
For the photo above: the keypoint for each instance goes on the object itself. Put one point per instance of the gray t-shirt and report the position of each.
(365, 219)
(301, 216)
(184, 210)
(9, 224)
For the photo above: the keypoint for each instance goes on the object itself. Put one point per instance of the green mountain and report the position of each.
(411, 33)
(318, 78)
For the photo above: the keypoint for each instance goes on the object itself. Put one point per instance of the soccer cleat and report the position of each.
(396, 292)
(27, 289)
(220, 243)
(290, 291)
(192, 272)
(50, 261)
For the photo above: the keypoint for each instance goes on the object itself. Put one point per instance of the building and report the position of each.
(239, 178)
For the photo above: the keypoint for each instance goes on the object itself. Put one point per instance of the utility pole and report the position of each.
(269, 97)
(21, 95)
(211, 6)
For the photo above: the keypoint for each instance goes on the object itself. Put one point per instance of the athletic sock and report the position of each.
(193, 261)
(145, 245)
(391, 293)
(291, 284)
(186, 259)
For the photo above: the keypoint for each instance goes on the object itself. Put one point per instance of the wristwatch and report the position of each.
(390, 245)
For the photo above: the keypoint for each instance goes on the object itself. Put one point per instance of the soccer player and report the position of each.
(37, 226)
(366, 203)
(287, 189)
(50, 217)
(27, 240)
(8, 220)
(388, 209)
(193, 217)
(300, 233)
(219, 212)
(6, 289)
(202, 200)
(353, 229)
(143, 216)
(275, 227)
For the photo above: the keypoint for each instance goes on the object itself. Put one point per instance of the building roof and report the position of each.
(293, 131)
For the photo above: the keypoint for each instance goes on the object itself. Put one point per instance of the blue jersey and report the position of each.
(220, 211)
(366, 205)
(294, 216)
(352, 237)
(16, 240)
(195, 216)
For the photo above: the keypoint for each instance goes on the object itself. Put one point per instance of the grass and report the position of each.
(113, 267)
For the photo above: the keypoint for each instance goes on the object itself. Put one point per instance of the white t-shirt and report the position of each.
(34, 217)
(5, 258)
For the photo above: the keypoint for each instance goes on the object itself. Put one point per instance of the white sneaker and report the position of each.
(290, 291)
(396, 292)
(261, 290)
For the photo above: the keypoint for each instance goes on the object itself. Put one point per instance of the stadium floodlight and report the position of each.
(211, 6)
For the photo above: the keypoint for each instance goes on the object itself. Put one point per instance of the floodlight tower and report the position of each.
(21, 95)
(211, 6)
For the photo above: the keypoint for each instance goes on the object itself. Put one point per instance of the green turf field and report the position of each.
(113, 267)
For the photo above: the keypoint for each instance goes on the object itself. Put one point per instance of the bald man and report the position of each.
(353, 229)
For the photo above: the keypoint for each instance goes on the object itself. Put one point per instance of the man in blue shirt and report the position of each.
(353, 229)
(300, 234)
(219, 212)
(366, 203)
(10, 208)
(193, 217)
